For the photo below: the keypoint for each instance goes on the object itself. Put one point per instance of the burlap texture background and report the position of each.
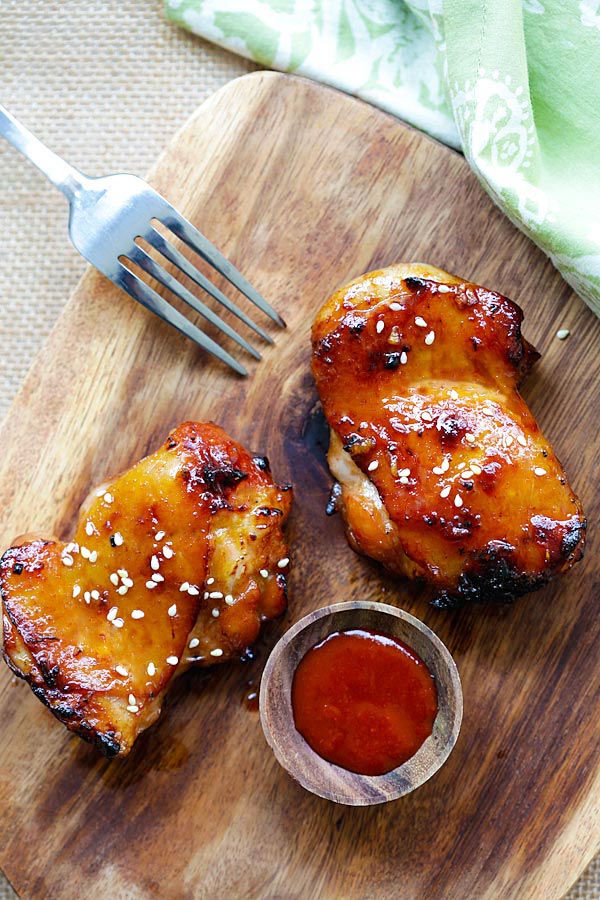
(105, 84)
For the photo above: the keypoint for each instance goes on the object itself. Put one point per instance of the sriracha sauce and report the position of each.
(364, 701)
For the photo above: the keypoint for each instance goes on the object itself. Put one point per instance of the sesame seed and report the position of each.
(380, 326)
(522, 441)
(168, 552)
(118, 538)
(185, 586)
(89, 529)
(562, 334)
(85, 552)
(159, 535)
(539, 471)
(394, 335)
(420, 322)
(373, 465)
(73, 547)
(437, 470)
(453, 394)
(210, 580)
(137, 613)
(396, 307)
(154, 563)
(121, 670)
(216, 652)
(403, 358)
(470, 438)
(193, 591)
(95, 595)
(445, 465)
(427, 416)
(114, 578)
(172, 610)
(112, 613)
(193, 643)
(215, 613)
(404, 480)
(445, 491)
(283, 562)
(67, 560)
(158, 577)
(132, 700)
(476, 468)
(508, 440)
(264, 573)
(430, 338)
(216, 595)
(488, 411)
(444, 289)
(206, 595)
(172, 660)
(461, 466)
(458, 500)
(108, 498)
(151, 670)
(87, 597)
(128, 582)
(118, 623)
(122, 590)
(404, 473)
(229, 599)
(467, 474)
(132, 708)
(150, 585)
(76, 590)
(93, 556)
(123, 573)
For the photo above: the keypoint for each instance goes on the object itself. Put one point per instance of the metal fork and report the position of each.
(108, 215)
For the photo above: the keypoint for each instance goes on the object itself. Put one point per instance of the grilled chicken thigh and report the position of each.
(177, 561)
(443, 472)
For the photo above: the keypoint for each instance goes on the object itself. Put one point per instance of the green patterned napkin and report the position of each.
(514, 83)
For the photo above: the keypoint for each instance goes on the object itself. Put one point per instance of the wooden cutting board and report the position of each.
(305, 188)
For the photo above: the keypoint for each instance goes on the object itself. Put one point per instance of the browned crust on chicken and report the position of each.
(444, 472)
(100, 626)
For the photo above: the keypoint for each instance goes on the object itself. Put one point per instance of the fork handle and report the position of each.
(66, 178)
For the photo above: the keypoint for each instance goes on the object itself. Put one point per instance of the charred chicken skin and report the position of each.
(442, 471)
(174, 563)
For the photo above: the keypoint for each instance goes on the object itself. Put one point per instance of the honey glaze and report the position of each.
(364, 701)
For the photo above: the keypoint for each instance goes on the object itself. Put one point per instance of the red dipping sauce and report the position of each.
(364, 701)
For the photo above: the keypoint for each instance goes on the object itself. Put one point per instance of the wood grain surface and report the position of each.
(304, 189)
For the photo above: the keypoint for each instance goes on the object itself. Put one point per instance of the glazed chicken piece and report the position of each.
(442, 471)
(177, 561)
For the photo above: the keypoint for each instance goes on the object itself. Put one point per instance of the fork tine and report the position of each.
(145, 295)
(178, 259)
(201, 245)
(139, 256)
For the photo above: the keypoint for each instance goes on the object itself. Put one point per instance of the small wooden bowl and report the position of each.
(307, 767)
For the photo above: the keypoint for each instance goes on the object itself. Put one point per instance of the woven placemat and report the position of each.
(105, 84)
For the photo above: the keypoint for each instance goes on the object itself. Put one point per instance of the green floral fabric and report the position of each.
(515, 84)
